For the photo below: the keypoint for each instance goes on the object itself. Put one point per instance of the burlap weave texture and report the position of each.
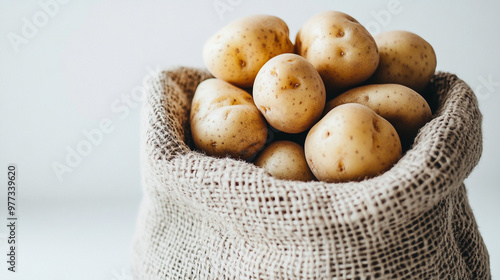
(211, 218)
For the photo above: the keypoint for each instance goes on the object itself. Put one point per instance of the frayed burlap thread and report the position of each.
(219, 218)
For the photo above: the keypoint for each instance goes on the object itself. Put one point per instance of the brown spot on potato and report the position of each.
(375, 124)
(340, 166)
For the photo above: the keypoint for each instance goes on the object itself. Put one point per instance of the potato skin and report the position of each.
(405, 58)
(403, 107)
(238, 50)
(290, 93)
(285, 160)
(342, 50)
(225, 122)
(351, 142)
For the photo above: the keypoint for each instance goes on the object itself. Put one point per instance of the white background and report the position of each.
(68, 69)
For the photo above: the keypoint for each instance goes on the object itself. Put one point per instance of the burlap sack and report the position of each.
(208, 218)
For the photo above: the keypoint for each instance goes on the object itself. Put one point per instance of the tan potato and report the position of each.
(289, 93)
(237, 51)
(285, 160)
(351, 142)
(225, 122)
(342, 50)
(405, 58)
(403, 107)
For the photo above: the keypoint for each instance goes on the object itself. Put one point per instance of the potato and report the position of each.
(237, 51)
(342, 50)
(285, 160)
(225, 122)
(403, 107)
(351, 142)
(290, 93)
(405, 58)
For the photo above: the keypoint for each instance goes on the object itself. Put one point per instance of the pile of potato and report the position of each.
(338, 105)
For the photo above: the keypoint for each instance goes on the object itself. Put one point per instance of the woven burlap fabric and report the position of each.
(211, 218)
